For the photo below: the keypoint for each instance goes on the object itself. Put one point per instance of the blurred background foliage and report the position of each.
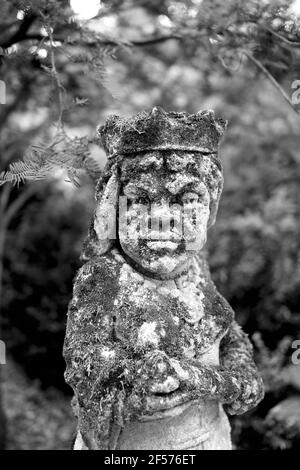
(66, 68)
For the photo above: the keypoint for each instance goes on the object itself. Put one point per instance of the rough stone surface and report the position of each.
(152, 349)
(159, 130)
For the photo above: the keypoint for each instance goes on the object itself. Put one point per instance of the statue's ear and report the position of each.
(103, 230)
(215, 198)
(213, 213)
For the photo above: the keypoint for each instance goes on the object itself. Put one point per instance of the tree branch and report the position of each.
(5, 26)
(104, 42)
(20, 34)
(155, 40)
(18, 204)
(282, 38)
(270, 77)
(4, 196)
(31, 37)
(60, 88)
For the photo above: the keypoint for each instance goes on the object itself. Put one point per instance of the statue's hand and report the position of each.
(183, 379)
(158, 373)
(151, 373)
(203, 381)
(156, 384)
(250, 395)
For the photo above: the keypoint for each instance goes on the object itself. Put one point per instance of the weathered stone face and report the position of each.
(165, 209)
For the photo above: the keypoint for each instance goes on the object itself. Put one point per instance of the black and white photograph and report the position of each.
(150, 227)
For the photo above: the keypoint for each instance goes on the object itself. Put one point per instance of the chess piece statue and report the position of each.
(153, 353)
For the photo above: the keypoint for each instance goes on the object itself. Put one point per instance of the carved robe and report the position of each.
(116, 318)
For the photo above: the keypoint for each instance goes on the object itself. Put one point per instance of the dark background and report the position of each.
(64, 76)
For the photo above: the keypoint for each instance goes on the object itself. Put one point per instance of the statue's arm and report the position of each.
(90, 351)
(236, 358)
(93, 358)
(106, 378)
(235, 382)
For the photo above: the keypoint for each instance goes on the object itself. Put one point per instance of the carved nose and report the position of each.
(162, 219)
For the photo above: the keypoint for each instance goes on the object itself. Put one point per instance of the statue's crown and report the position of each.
(159, 130)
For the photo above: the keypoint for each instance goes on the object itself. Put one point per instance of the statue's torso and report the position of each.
(183, 318)
(186, 317)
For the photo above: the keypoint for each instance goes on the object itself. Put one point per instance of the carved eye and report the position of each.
(190, 198)
(144, 200)
(176, 199)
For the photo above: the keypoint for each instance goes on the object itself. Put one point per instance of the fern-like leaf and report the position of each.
(71, 155)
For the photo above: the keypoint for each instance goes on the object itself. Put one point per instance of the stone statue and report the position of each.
(152, 349)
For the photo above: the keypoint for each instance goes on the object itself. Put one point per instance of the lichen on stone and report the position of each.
(148, 334)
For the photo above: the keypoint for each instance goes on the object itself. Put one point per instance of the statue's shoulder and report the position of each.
(217, 309)
(101, 269)
(97, 283)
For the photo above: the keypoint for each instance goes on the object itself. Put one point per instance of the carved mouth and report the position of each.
(165, 245)
(165, 401)
(165, 395)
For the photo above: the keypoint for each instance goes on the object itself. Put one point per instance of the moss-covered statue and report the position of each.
(152, 349)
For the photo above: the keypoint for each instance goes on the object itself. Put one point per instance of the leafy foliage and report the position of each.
(39, 163)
